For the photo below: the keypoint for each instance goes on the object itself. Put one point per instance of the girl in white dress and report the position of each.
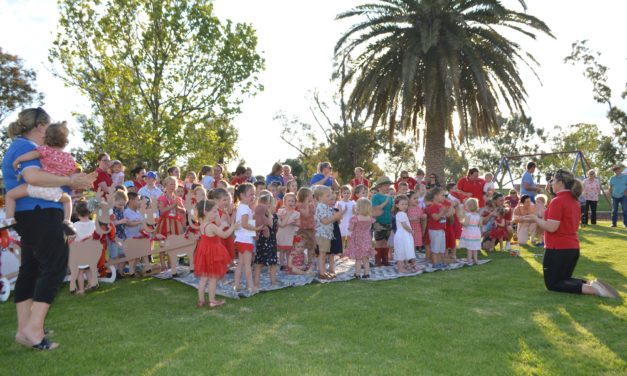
(345, 204)
(404, 253)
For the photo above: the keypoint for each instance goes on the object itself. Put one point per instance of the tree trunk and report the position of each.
(435, 150)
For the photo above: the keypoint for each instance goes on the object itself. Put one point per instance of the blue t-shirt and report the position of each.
(618, 185)
(21, 146)
(386, 217)
(318, 177)
(527, 178)
(272, 178)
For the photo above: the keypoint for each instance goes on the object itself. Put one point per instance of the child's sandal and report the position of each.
(366, 276)
(216, 303)
(200, 304)
(357, 276)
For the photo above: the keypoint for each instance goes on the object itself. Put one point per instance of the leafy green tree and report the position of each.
(517, 136)
(346, 144)
(423, 60)
(602, 93)
(16, 90)
(455, 165)
(400, 156)
(598, 149)
(164, 77)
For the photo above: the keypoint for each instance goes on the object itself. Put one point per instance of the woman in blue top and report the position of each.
(44, 253)
(325, 176)
(275, 175)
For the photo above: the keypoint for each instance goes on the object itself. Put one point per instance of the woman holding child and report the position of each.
(44, 252)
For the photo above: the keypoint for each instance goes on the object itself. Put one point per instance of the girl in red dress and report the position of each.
(212, 259)
(170, 209)
(499, 232)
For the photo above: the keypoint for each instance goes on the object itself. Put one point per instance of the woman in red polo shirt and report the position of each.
(560, 223)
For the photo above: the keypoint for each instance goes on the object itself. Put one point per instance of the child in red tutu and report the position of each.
(499, 232)
(211, 259)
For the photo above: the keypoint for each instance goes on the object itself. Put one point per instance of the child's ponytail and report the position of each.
(240, 190)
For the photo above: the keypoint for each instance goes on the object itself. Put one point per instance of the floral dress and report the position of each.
(266, 253)
(360, 243)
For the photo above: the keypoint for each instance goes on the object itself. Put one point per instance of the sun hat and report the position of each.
(383, 180)
(129, 184)
(617, 167)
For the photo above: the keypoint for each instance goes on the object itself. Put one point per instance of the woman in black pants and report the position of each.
(560, 224)
(44, 252)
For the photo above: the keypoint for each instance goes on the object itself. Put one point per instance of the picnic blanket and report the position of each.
(344, 269)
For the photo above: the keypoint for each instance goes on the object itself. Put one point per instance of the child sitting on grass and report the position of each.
(296, 259)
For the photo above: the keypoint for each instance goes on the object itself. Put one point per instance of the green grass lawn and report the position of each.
(495, 319)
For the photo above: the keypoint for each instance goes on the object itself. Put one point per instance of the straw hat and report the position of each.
(383, 180)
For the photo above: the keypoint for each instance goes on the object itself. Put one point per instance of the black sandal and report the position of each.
(357, 276)
(366, 276)
(45, 344)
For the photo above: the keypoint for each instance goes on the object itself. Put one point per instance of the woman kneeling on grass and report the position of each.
(560, 223)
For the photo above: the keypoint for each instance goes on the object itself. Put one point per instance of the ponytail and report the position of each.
(240, 190)
(577, 188)
(27, 120)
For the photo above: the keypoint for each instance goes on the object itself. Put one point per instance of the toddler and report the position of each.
(360, 243)
(499, 232)
(211, 259)
(245, 235)
(347, 205)
(117, 173)
(115, 246)
(436, 224)
(296, 259)
(404, 251)
(85, 228)
(53, 160)
(289, 220)
(416, 215)
(325, 216)
(266, 252)
(540, 209)
(471, 232)
(307, 229)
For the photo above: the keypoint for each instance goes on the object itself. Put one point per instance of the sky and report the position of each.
(297, 39)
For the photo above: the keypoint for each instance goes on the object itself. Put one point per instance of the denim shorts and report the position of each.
(115, 250)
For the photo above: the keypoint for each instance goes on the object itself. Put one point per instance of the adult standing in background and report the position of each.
(44, 247)
(138, 174)
(527, 185)
(471, 185)
(591, 190)
(103, 179)
(275, 175)
(325, 176)
(411, 182)
(359, 178)
(560, 225)
(618, 188)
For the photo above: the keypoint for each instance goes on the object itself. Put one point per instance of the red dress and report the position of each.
(169, 222)
(211, 258)
(499, 232)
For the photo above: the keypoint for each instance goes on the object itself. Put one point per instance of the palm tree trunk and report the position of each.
(435, 150)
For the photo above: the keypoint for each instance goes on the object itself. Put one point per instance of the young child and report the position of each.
(404, 252)
(513, 199)
(296, 258)
(245, 235)
(436, 224)
(403, 188)
(337, 243)
(453, 225)
(499, 232)
(540, 208)
(260, 213)
(53, 160)
(85, 228)
(307, 229)
(266, 252)
(211, 259)
(347, 205)
(259, 186)
(325, 216)
(289, 220)
(170, 209)
(291, 187)
(360, 243)
(471, 232)
(116, 246)
(117, 173)
(225, 216)
(416, 215)
(488, 186)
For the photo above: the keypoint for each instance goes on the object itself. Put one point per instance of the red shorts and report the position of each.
(244, 247)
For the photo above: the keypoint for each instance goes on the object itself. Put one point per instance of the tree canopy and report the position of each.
(164, 77)
(415, 62)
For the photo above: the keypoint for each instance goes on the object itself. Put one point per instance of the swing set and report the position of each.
(580, 159)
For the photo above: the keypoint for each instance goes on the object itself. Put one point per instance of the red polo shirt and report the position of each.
(435, 224)
(102, 176)
(411, 184)
(565, 209)
(356, 182)
(473, 187)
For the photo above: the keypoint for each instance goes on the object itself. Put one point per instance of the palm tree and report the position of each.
(426, 59)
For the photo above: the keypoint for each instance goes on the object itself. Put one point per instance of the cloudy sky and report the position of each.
(297, 38)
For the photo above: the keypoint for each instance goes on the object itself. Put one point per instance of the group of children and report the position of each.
(299, 230)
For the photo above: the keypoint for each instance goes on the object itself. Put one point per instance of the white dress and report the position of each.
(403, 239)
(346, 217)
(471, 234)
